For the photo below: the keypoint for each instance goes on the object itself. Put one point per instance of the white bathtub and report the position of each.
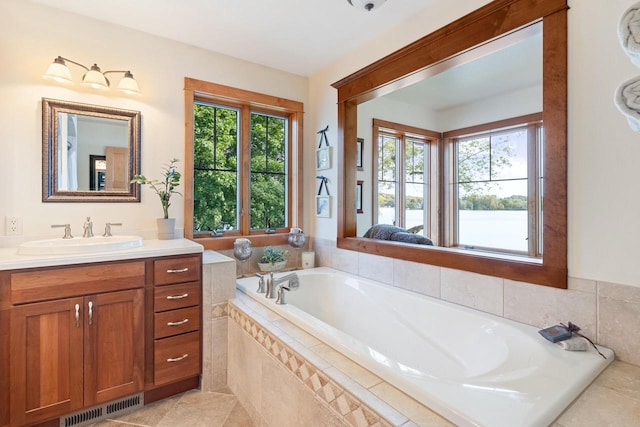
(473, 368)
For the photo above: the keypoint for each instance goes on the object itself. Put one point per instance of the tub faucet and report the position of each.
(293, 284)
(261, 280)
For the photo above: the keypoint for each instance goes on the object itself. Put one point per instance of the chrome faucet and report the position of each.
(261, 280)
(87, 228)
(294, 283)
(67, 230)
(107, 228)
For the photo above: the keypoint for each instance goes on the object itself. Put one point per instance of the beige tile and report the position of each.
(223, 284)
(621, 377)
(200, 409)
(415, 411)
(582, 285)
(417, 277)
(620, 292)
(359, 374)
(238, 417)
(296, 333)
(543, 306)
(324, 252)
(219, 352)
(600, 406)
(312, 412)
(280, 390)
(365, 396)
(149, 415)
(375, 267)
(472, 290)
(344, 260)
(244, 374)
(619, 328)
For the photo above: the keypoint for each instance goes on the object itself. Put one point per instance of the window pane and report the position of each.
(474, 159)
(268, 171)
(387, 187)
(215, 167)
(509, 154)
(495, 217)
(415, 186)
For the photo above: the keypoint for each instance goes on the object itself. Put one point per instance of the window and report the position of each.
(496, 181)
(244, 147)
(402, 198)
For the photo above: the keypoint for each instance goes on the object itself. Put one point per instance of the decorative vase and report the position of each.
(166, 228)
(267, 266)
(242, 249)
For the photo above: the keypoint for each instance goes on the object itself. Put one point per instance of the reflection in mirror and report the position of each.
(90, 152)
(502, 67)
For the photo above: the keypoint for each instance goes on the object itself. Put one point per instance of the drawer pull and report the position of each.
(181, 270)
(177, 296)
(77, 315)
(177, 359)
(182, 322)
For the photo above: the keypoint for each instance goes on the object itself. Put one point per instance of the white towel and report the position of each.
(574, 344)
(627, 99)
(629, 32)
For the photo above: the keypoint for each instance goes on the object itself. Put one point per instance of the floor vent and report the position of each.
(97, 413)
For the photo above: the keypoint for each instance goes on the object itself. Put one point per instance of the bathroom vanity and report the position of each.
(82, 331)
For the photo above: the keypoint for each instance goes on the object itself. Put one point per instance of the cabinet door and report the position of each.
(114, 345)
(46, 360)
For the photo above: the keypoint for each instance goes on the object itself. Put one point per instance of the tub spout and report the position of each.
(272, 283)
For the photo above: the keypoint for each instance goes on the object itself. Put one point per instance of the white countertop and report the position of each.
(10, 260)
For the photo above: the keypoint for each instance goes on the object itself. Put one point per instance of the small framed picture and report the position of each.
(359, 197)
(323, 206)
(359, 146)
(323, 158)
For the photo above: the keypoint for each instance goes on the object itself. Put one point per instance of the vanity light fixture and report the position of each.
(94, 77)
(366, 5)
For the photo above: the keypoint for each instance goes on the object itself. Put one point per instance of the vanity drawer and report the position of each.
(56, 283)
(171, 297)
(176, 270)
(176, 322)
(176, 358)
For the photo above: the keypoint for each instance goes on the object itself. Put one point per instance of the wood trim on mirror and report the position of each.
(404, 67)
(130, 166)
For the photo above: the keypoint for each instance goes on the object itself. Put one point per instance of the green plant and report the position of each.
(164, 189)
(272, 255)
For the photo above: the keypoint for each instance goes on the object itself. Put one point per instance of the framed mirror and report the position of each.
(89, 153)
(476, 36)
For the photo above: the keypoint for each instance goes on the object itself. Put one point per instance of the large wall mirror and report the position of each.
(89, 153)
(503, 65)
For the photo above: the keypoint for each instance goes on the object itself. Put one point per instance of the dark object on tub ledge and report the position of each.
(396, 234)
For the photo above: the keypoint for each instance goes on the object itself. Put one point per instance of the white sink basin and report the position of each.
(79, 245)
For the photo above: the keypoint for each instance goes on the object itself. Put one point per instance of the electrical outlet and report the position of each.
(13, 225)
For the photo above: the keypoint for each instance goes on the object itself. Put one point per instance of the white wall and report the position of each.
(603, 153)
(31, 36)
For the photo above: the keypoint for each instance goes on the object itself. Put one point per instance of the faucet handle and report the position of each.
(107, 228)
(261, 289)
(67, 230)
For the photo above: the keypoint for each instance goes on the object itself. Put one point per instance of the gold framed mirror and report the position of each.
(423, 58)
(89, 152)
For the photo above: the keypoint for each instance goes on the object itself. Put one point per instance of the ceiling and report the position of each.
(298, 36)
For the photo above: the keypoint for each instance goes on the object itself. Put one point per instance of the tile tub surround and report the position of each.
(607, 313)
(269, 355)
(218, 286)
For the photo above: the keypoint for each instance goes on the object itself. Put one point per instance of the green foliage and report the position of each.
(216, 160)
(164, 189)
(490, 202)
(272, 255)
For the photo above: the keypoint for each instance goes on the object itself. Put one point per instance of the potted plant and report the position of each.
(164, 189)
(273, 259)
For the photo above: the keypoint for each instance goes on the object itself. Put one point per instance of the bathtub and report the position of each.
(474, 368)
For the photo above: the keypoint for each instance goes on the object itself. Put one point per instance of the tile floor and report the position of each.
(190, 409)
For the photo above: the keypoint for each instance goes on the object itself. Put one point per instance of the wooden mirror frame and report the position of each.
(406, 66)
(50, 193)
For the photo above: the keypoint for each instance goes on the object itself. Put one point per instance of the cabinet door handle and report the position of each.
(177, 296)
(177, 359)
(77, 315)
(182, 322)
(181, 270)
(90, 312)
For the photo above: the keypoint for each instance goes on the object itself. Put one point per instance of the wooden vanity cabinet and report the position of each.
(71, 353)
